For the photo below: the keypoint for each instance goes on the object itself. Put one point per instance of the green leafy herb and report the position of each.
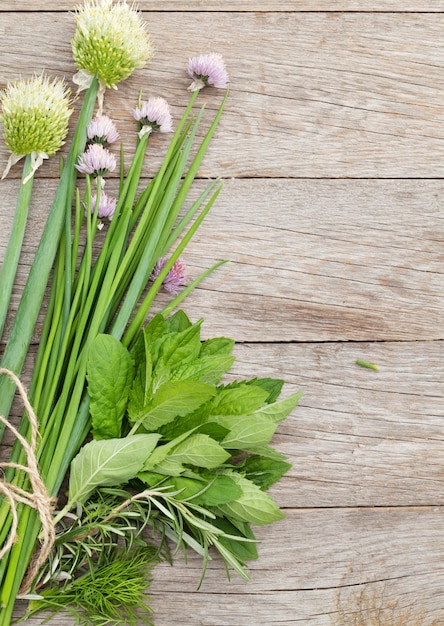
(115, 593)
(110, 373)
(108, 462)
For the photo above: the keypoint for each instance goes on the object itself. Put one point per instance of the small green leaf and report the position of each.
(178, 322)
(181, 347)
(171, 400)
(108, 463)
(207, 491)
(208, 369)
(253, 506)
(109, 373)
(201, 451)
(243, 550)
(272, 385)
(280, 410)
(217, 346)
(246, 431)
(264, 472)
(241, 400)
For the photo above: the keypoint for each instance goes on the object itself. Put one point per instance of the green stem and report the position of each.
(34, 291)
(12, 256)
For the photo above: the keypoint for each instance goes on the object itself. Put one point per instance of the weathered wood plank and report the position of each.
(242, 5)
(313, 94)
(338, 567)
(310, 260)
(358, 437)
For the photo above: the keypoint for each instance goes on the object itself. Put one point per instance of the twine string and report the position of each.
(37, 498)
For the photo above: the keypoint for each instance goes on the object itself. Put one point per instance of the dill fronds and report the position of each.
(114, 593)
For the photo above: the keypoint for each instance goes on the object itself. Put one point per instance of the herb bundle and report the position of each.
(173, 456)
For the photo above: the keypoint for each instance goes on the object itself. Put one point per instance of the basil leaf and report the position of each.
(264, 472)
(199, 450)
(108, 463)
(243, 550)
(246, 431)
(206, 491)
(110, 372)
(253, 505)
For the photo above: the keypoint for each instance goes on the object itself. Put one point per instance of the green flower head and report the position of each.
(110, 40)
(35, 114)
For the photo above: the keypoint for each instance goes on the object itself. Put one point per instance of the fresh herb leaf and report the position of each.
(207, 369)
(108, 462)
(109, 374)
(264, 472)
(253, 506)
(241, 400)
(217, 345)
(171, 400)
(198, 450)
(278, 411)
(246, 431)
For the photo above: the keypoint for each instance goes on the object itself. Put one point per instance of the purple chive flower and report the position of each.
(174, 281)
(154, 114)
(102, 130)
(207, 69)
(107, 205)
(96, 160)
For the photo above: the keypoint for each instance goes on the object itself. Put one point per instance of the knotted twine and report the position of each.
(37, 498)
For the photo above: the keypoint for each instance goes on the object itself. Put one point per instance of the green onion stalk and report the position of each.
(23, 326)
(106, 295)
(10, 263)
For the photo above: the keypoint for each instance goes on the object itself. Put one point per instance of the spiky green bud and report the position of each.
(110, 40)
(35, 114)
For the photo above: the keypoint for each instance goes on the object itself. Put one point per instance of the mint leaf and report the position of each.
(217, 345)
(208, 369)
(181, 347)
(110, 372)
(171, 400)
(241, 400)
(253, 505)
(108, 463)
(280, 410)
(178, 321)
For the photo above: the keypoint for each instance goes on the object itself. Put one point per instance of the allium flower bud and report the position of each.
(154, 114)
(174, 281)
(110, 40)
(102, 130)
(35, 115)
(96, 161)
(107, 205)
(207, 69)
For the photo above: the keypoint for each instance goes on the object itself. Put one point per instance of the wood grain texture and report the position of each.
(310, 260)
(320, 567)
(312, 94)
(242, 5)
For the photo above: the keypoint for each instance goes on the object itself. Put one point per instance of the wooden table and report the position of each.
(332, 151)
